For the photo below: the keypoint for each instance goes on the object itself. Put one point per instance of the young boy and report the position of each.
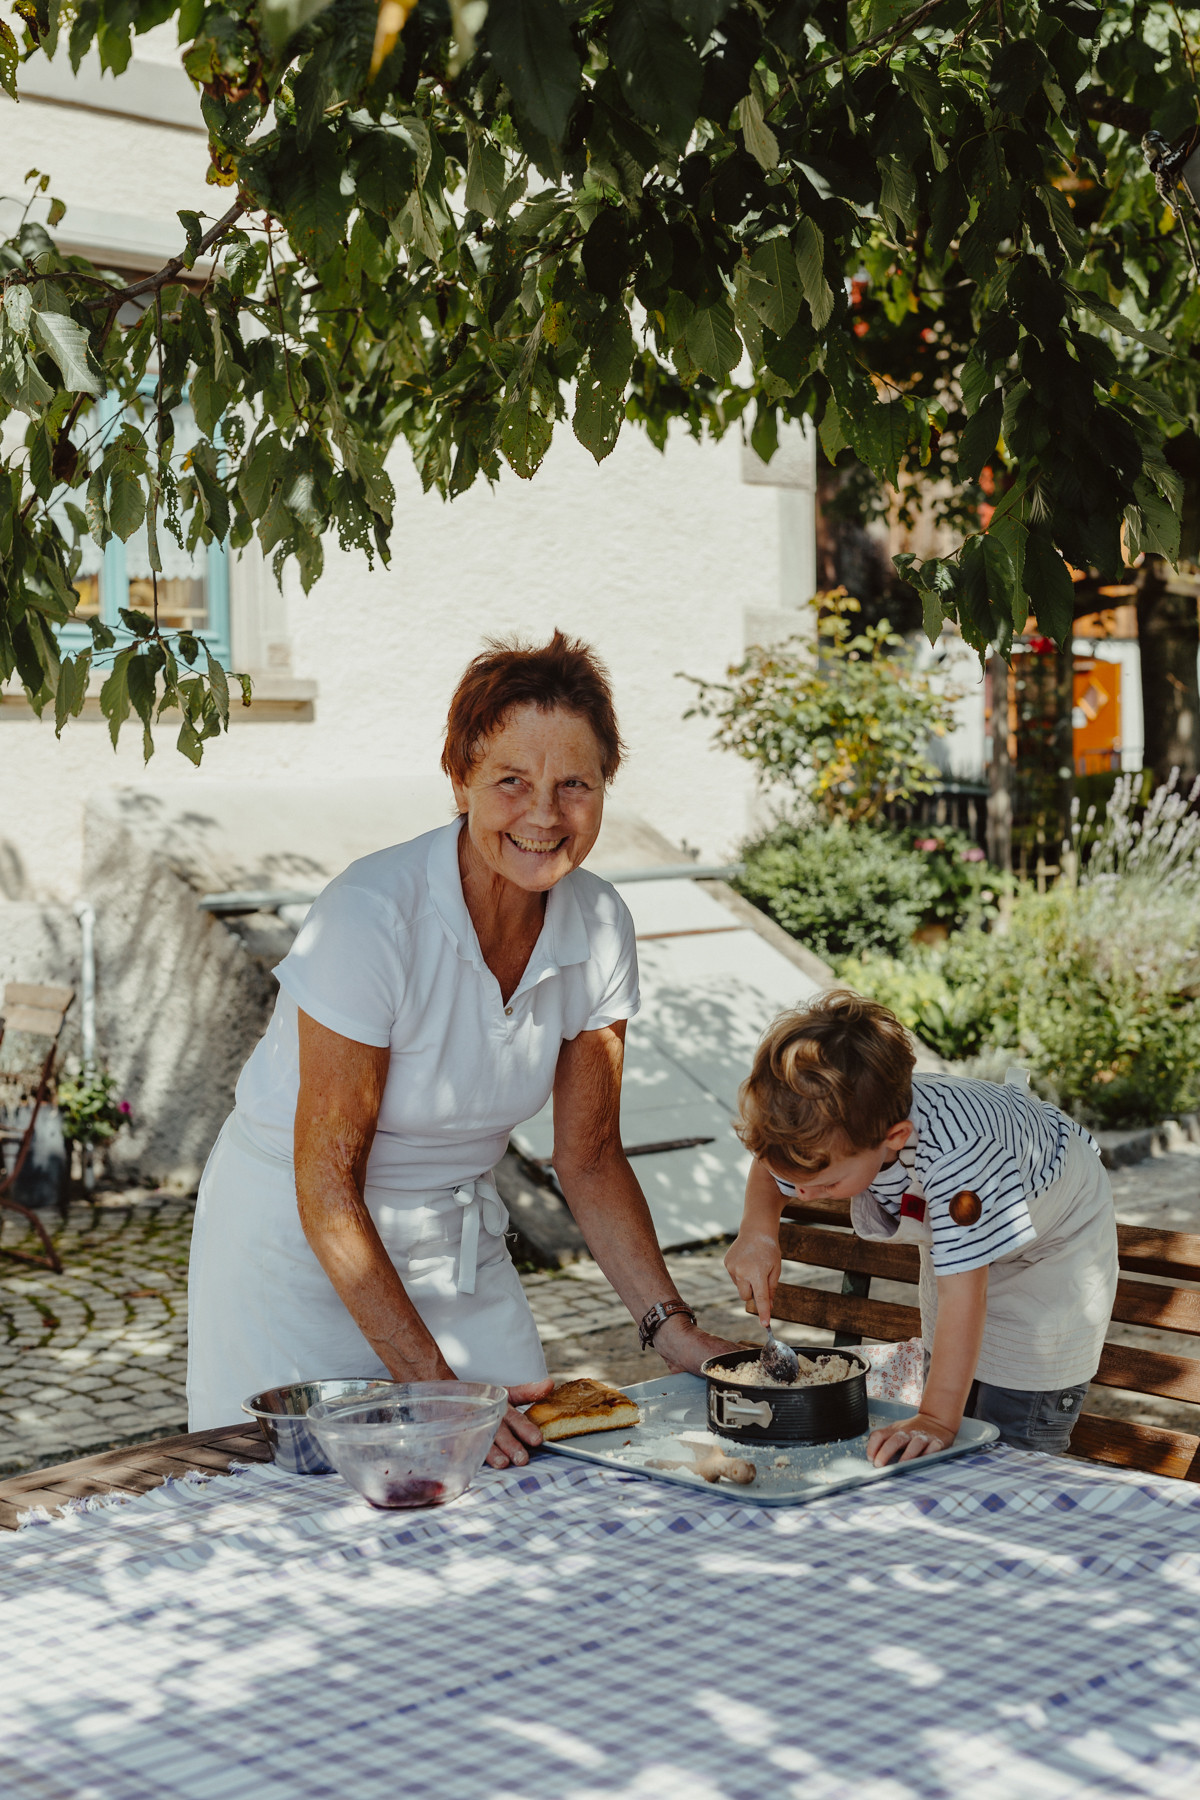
(1004, 1195)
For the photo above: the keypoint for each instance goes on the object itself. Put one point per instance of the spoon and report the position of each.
(779, 1360)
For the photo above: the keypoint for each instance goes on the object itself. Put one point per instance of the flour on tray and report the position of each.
(813, 1373)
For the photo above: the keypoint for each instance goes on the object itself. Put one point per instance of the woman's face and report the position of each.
(535, 798)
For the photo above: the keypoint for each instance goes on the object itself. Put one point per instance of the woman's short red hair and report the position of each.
(564, 673)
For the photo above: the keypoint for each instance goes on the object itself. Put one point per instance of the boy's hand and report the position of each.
(906, 1439)
(754, 1262)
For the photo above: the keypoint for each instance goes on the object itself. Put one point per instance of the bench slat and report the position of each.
(818, 1212)
(1175, 1254)
(834, 1250)
(38, 993)
(1149, 1372)
(846, 1312)
(1132, 1446)
(1169, 1309)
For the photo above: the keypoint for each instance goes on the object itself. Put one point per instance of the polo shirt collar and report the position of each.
(563, 940)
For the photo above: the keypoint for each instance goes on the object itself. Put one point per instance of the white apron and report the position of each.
(1048, 1303)
(263, 1312)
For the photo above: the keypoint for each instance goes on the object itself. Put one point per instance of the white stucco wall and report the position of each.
(653, 559)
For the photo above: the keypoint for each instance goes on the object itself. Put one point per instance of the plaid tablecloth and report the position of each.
(1007, 1627)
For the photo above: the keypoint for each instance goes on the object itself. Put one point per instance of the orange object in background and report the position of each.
(1097, 715)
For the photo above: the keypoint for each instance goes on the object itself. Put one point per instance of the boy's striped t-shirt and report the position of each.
(998, 1142)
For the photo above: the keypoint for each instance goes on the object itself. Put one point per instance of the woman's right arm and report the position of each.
(341, 1086)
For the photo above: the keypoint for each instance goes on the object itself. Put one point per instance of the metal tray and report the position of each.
(674, 1414)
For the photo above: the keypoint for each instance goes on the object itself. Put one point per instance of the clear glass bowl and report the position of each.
(418, 1445)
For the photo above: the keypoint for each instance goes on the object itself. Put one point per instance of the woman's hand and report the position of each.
(684, 1346)
(906, 1439)
(517, 1434)
(754, 1263)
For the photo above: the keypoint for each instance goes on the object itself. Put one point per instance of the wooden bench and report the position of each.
(819, 1233)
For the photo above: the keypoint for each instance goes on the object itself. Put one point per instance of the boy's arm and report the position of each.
(753, 1259)
(957, 1336)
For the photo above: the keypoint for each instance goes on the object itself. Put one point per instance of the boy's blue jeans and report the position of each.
(1027, 1419)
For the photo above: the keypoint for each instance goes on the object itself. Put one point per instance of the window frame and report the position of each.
(75, 635)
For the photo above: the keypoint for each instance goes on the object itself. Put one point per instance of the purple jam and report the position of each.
(413, 1490)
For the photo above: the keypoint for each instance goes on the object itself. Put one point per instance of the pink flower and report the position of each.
(124, 1109)
(974, 854)
(928, 844)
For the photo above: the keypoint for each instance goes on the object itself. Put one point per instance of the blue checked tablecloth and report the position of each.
(1007, 1627)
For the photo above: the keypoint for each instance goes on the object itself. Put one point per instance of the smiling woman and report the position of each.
(437, 995)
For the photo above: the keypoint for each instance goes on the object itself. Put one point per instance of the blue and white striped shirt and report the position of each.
(999, 1142)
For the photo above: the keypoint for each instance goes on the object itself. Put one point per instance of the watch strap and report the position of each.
(659, 1313)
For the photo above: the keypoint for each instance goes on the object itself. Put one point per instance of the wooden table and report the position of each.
(135, 1469)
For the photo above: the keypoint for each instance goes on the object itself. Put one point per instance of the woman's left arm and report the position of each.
(603, 1193)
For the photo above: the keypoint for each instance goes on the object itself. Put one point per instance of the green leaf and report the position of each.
(18, 307)
(1117, 321)
(774, 290)
(10, 56)
(599, 411)
(487, 177)
(1049, 588)
(1018, 70)
(72, 689)
(880, 438)
(1153, 523)
(126, 502)
(712, 343)
(1063, 221)
(114, 695)
(932, 616)
(898, 198)
(611, 349)
(659, 71)
(317, 208)
(532, 48)
(832, 432)
(218, 684)
(757, 135)
(195, 232)
(67, 342)
(1001, 576)
(524, 434)
(809, 244)
(699, 16)
(979, 437)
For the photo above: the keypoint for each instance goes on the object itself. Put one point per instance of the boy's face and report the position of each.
(848, 1172)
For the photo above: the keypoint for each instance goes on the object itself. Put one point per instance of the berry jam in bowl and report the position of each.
(420, 1444)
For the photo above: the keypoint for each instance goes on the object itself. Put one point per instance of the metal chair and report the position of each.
(39, 1011)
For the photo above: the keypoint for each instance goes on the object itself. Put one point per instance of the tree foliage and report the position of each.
(928, 229)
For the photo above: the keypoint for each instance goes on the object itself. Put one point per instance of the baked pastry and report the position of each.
(576, 1407)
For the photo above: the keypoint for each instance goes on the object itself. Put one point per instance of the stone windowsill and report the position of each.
(276, 697)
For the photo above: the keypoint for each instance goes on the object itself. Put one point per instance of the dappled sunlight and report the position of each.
(568, 1633)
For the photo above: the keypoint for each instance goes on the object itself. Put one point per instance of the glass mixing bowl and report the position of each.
(418, 1445)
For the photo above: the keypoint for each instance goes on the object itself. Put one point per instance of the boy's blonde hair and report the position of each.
(835, 1076)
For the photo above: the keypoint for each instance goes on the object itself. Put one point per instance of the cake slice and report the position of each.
(576, 1407)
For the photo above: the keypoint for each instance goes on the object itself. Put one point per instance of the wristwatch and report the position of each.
(659, 1313)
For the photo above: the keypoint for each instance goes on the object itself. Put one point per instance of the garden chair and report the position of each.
(37, 1011)
(819, 1233)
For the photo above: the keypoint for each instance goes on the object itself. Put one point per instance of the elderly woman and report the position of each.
(436, 996)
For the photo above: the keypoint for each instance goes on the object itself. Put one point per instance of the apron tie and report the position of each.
(481, 1205)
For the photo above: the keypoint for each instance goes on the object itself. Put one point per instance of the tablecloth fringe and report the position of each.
(94, 1503)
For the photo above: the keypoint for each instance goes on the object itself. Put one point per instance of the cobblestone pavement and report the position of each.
(96, 1356)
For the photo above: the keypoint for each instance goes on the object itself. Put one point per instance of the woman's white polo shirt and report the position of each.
(388, 956)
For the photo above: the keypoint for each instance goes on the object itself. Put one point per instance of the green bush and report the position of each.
(846, 890)
(1093, 990)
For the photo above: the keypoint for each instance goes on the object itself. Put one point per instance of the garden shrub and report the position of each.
(848, 890)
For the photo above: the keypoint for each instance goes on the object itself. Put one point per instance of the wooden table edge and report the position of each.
(130, 1469)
